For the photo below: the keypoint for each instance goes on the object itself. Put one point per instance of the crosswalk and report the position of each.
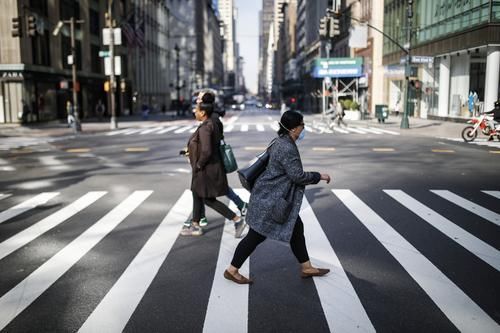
(479, 142)
(314, 127)
(340, 295)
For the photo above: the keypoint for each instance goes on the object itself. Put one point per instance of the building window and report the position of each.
(95, 61)
(69, 9)
(94, 22)
(39, 6)
(40, 51)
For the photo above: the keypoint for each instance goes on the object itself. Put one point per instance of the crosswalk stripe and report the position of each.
(133, 131)
(38, 200)
(28, 290)
(274, 126)
(471, 243)
(355, 130)
(244, 127)
(341, 305)
(385, 131)
(369, 130)
(228, 303)
(260, 128)
(4, 196)
(151, 130)
(340, 130)
(17, 241)
(122, 131)
(168, 129)
(183, 129)
(468, 317)
(469, 205)
(113, 312)
(52, 163)
(228, 128)
(495, 194)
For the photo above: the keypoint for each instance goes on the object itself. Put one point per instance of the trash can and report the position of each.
(381, 112)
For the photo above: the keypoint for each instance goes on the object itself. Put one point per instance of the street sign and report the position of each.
(118, 65)
(70, 59)
(117, 36)
(103, 54)
(418, 60)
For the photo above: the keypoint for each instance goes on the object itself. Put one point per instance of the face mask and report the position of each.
(301, 135)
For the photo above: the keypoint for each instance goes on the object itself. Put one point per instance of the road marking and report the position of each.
(113, 313)
(385, 131)
(274, 126)
(471, 243)
(78, 150)
(337, 129)
(24, 237)
(323, 149)
(495, 151)
(369, 130)
(183, 129)
(228, 302)
(244, 127)
(355, 130)
(4, 196)
(133, 131)
(341, 305)
(4, 165)
(168, 129)
(115, 132)
(38, 200)
(151, 130)
(27, 291)
(469, 205)
(136, 149)
(443, 151)
(228, 128)
(260, 128)
(466, 315)
(496, 194)
(383, 149)
(52, 163)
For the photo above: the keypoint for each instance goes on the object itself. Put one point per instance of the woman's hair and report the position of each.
(207, 103)
(289, 120)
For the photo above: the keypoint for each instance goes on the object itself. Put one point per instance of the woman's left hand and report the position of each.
(325, 177)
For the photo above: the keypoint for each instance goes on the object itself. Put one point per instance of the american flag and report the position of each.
(128, 30)
(140, 38)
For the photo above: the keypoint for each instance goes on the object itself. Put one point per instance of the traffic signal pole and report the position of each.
(404, 120)
(113, 122)
(78, 126)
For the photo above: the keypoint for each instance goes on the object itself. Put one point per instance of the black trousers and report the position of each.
(253, 239)
(219, 207)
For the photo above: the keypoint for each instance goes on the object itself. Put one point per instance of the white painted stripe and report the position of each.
(28, 290)
(24, 237)
(466, 315)
(38, 200)
(227, 308)
(495, 194)
(338, 129)
(275, 127)
(151, 130)
(183, 129)
(118, 132)
(192, 130)
(469, 205)
(168, 129)
(260, 127)
(342, 308)
(52, 163)
(244, 127)
(351, 129)
(7, 168)
(113, 312)
(228, 128)
(3, 161)
(471, 243)
(309, 129)
(133, 131)
(385, 131)
(369, 130)
(4, 196)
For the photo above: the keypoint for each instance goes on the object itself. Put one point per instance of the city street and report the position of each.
(89, 232)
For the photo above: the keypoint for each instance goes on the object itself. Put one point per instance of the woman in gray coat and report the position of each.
(273, 209)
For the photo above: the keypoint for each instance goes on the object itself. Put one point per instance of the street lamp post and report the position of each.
(404, 121)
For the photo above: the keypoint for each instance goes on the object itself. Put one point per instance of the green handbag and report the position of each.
(228, 159)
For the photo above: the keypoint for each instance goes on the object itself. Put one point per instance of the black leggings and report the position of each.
(253, 239)
(219, 207)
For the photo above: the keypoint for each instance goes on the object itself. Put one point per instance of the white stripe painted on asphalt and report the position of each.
(342, 307)
(7, 168)
(228, 128)
(38, 200)
(113, 312)
(466, 315)
(192, 130)
(340, 130)
(133, 131)
(244, 127)
(168, 129)
(369, 130)
(355, 130)
(183, 129)
(471, 243)
(22, 295)
(260, 127)
(469, 205)
(52, 163)
(274, 126)
(24, 237)
(495, 194)
(228, 303)
(385, 131)
(151, 130)
(118, 132)
(4, 196)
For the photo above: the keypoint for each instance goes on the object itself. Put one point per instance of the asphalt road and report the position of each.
(89, 236)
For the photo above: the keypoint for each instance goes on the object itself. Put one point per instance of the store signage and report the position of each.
(418, 60)
(338, 67)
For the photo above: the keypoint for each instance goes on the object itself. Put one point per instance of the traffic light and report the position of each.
(17, 27)
(334, 27)
(31, 26)
(323, 27)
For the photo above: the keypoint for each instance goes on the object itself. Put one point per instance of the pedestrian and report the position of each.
(25, 113)
(70, 114)
(340, 114)
(209, 179)
(100, 109)
(281, 185)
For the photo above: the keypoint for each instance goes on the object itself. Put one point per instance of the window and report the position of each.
(40, 51)
(95, 61)
(94, 25)
(39, 6)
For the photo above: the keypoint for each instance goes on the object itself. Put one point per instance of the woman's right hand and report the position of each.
(325, 177)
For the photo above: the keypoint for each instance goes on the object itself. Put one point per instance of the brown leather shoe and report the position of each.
(320, 272)
(242, 280)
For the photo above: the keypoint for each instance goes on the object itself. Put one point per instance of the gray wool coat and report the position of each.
(283, 170)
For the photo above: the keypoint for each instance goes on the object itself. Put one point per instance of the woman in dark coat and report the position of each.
(209, 178)
(283, 178)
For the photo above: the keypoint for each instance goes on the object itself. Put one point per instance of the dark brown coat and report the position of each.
(209, 178)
